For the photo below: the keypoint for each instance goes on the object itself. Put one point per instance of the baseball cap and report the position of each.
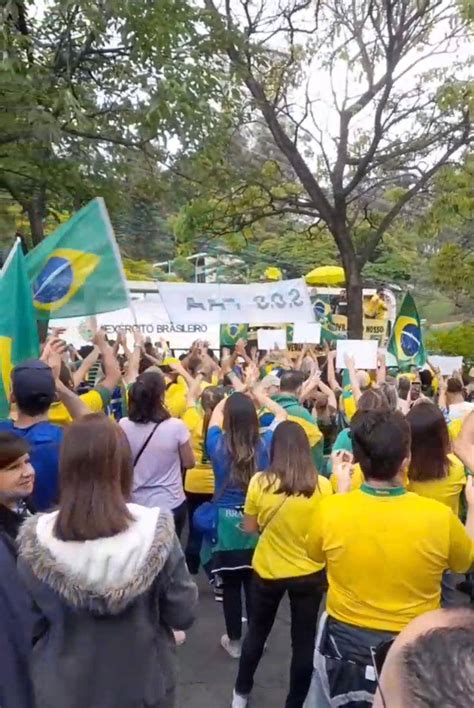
(270, 380)
(32, 379)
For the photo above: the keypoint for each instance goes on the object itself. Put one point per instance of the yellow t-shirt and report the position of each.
(281, 549)
(385, 555)
(95, 400)
(375, 307)
(200, 479)
(448, 490)
(175, 398)
(454, 428)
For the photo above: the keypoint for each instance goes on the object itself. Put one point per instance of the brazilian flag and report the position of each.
(18, 330)
(406, 342)
(231, 333)
(77, 270)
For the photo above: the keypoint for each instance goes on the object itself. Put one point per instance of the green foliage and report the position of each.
(183, 268)
(453, 272)
(138, 270)
(457, 341)
(88, 85)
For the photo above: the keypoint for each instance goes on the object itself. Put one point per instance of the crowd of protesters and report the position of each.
(126, 471)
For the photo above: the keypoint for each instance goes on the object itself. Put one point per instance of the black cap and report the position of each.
(33, 378)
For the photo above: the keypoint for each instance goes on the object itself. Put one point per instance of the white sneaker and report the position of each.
(179, 637)
(239, 701)
(232, 646)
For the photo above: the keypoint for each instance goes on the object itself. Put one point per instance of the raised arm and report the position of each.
(332, 400)
(109, 362)
(442, 391)
(381, 368)
(356, 392)
(134, 358)
(72, 402)
(217, 417)
(332, 372)
(80, 374)
(194, 391)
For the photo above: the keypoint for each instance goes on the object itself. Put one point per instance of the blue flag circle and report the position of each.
(410, 339)
(54, 281)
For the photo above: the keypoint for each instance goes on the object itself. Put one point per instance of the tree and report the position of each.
(457, 341)
(453, 273)
(374, 87)
(87, 86)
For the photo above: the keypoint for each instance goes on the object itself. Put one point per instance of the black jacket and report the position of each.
(103, 638)
(11, 521)
(16, 624)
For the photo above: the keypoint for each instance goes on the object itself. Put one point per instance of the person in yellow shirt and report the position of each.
(97, 399)
(199, 481)
(385, 550)
(434, 471)
(280, 503)
(376, 307)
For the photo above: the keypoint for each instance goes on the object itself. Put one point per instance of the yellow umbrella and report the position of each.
(326, 275)
(273, 273)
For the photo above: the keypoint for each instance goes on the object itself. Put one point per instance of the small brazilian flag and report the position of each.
(78, 270)
(231, 333)
(18, 330)
(406, 342)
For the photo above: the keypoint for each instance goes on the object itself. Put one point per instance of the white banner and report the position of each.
(151, 319)
(217, 303)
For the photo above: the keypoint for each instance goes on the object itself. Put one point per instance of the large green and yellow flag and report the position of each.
(406, 342)
(78, 270)
(18, 330)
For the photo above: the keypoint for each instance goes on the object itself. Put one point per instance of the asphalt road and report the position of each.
(207, 673)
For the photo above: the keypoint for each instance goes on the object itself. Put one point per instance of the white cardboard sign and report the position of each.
(364, 352)
(270, 339)
(306, 333)
(219, 303)
(447, 364)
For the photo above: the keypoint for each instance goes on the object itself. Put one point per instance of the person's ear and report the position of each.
(406, 463)
(12, 398)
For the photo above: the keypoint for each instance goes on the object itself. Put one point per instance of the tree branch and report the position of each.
(388, 219)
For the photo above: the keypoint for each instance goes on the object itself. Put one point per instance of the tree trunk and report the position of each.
(36, 211)
(355, 324)
(36, 224)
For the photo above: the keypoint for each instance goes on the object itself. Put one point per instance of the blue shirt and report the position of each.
(219, 455)
(45, 440)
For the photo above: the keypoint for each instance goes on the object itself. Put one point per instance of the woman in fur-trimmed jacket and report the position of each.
(108, 580)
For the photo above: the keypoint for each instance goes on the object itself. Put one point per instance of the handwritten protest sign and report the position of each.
(216, 303)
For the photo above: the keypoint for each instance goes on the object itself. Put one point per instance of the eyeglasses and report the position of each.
(378, 655)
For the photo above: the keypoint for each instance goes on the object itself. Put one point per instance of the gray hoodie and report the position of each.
(105, 608)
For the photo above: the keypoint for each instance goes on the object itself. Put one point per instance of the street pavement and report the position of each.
(207, 673)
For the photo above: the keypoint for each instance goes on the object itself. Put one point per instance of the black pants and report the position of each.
(193, 546)
(305, 595)
(233, 582)
(179, 514)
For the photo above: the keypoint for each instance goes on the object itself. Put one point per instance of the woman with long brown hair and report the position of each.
(237, 451)
(280, 504)
(108, 579)
(434, 471)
